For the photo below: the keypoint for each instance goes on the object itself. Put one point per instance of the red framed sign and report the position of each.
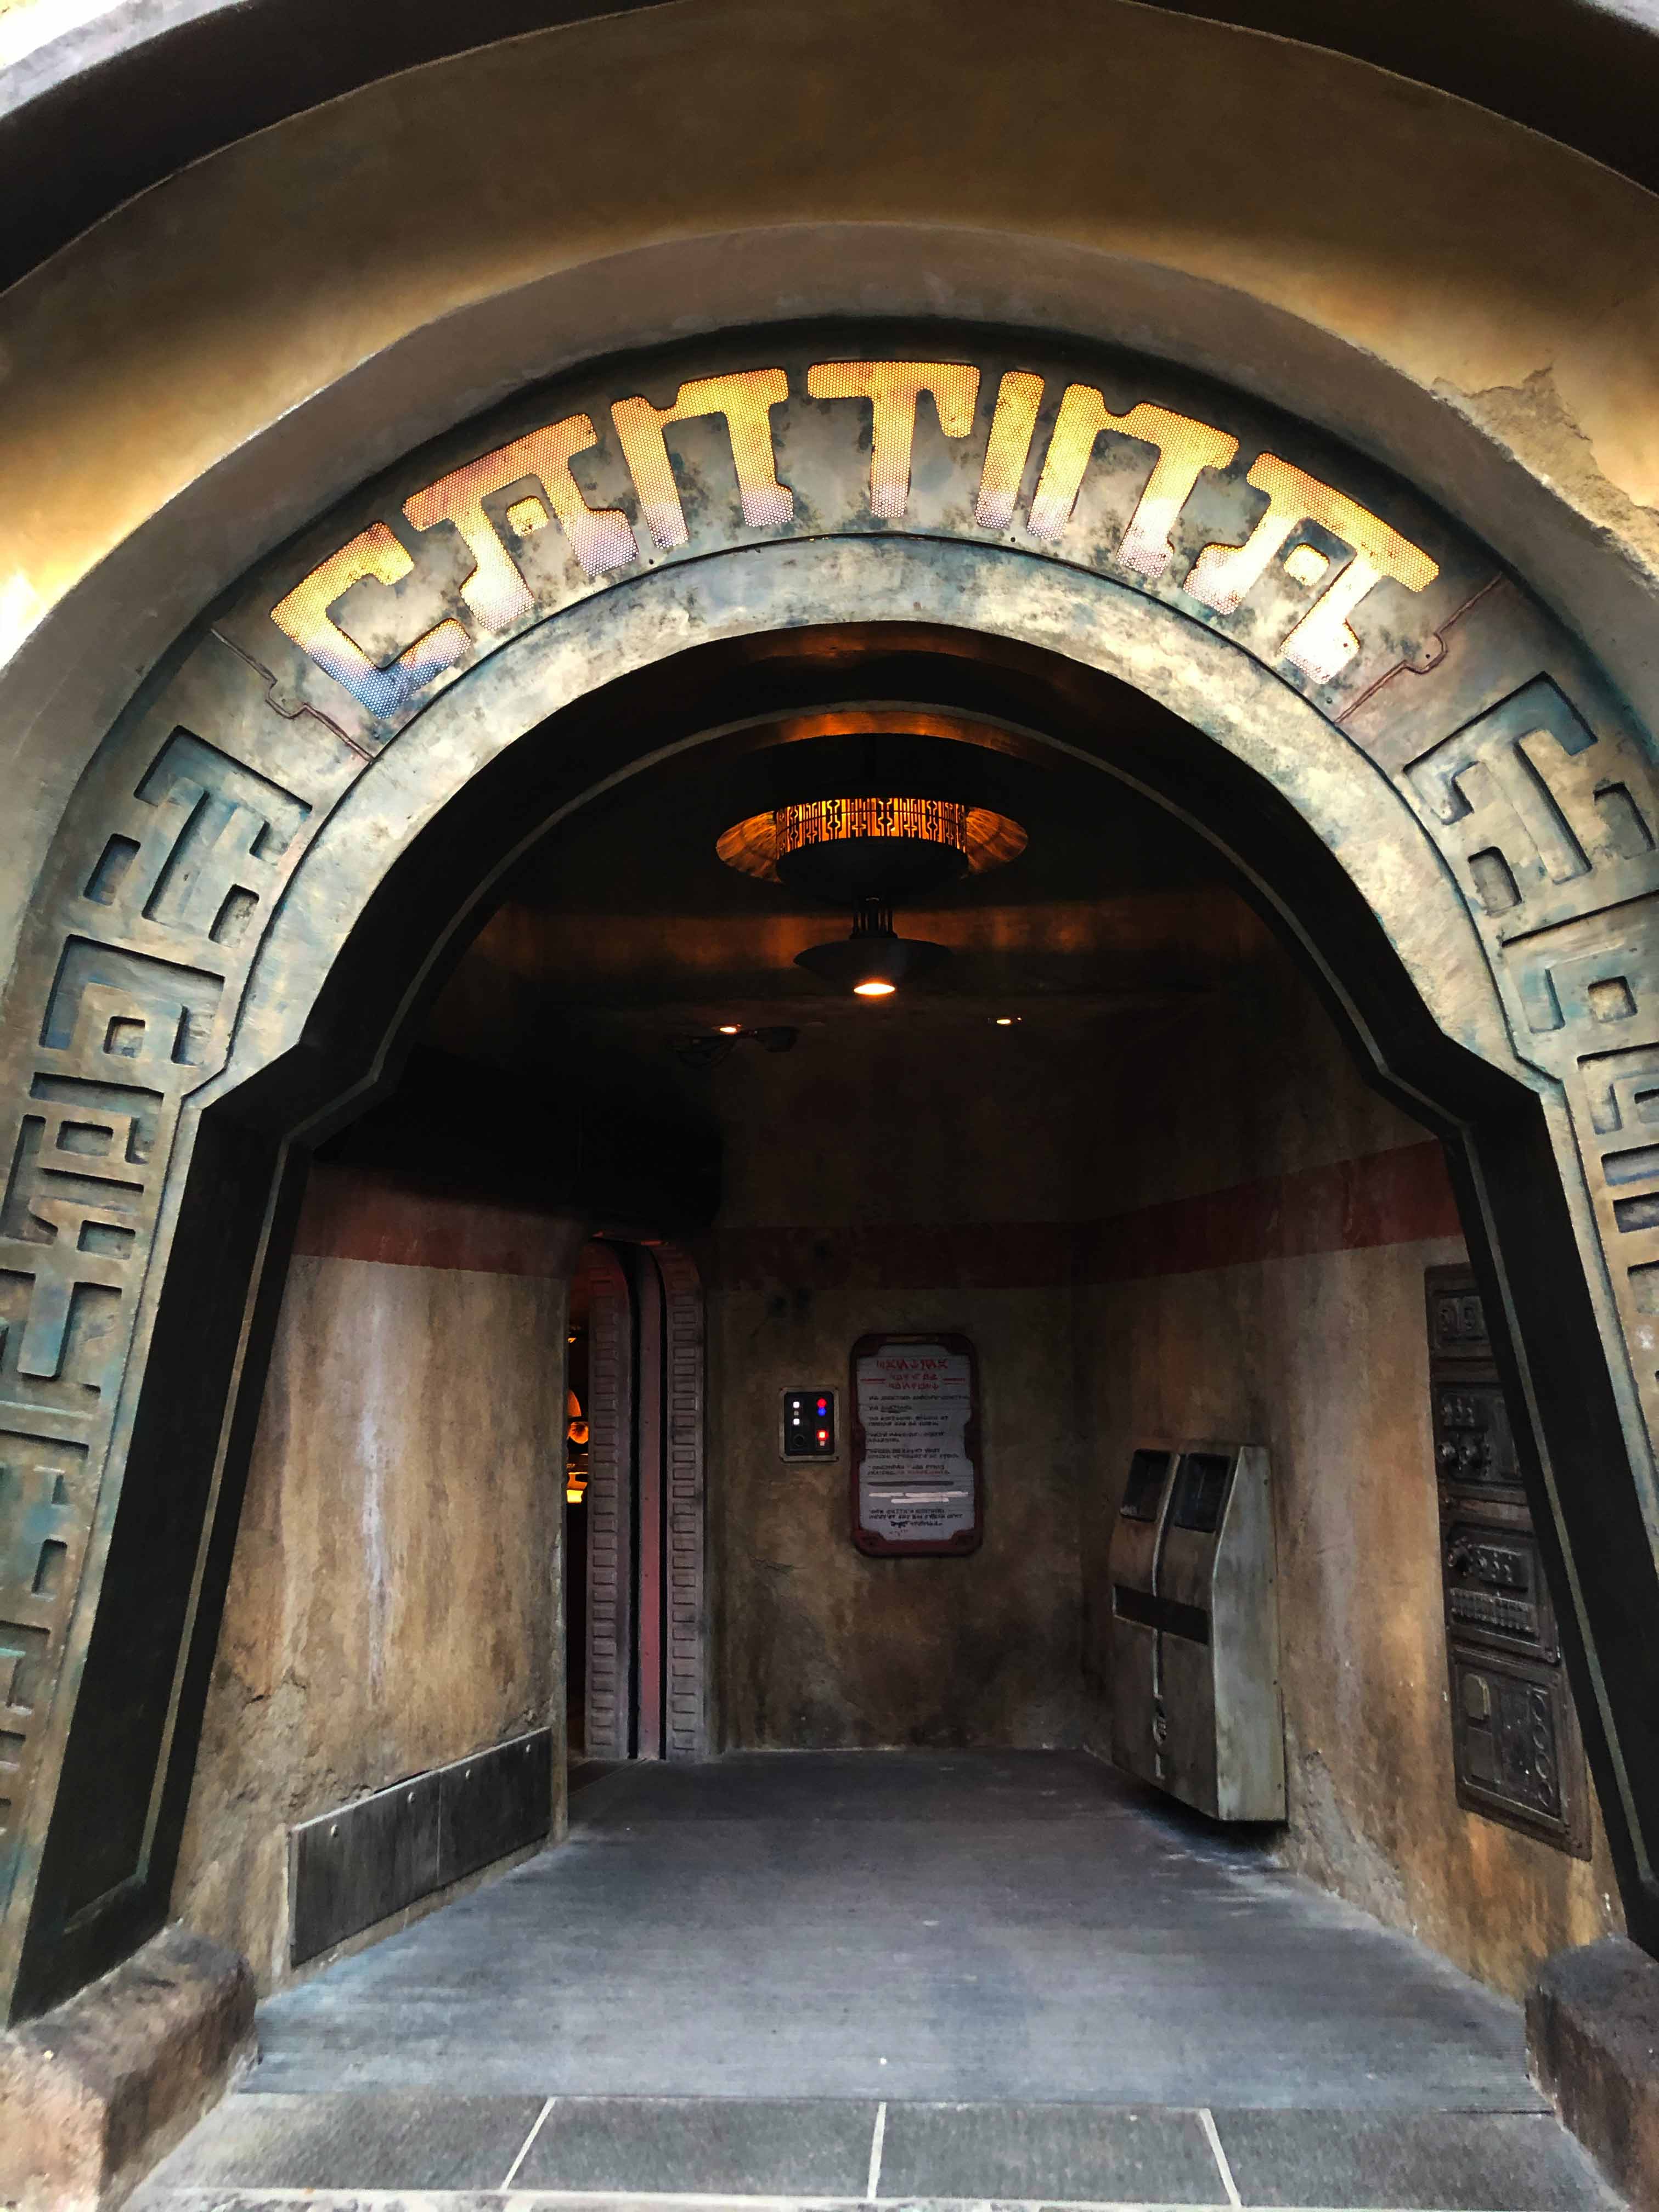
(914, 1406)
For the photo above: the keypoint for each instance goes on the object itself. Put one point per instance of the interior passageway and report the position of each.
(958, 1975)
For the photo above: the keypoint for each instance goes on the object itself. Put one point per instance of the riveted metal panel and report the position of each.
(352, 1867)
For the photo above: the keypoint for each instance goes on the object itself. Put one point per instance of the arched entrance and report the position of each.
(1444, 804)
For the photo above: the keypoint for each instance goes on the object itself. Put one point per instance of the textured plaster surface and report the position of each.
(1592, 2035)
(827, 1648)
(794, 169)
(97, 2090)
(392, 1604)
(1322, 1358)
(892, 1124)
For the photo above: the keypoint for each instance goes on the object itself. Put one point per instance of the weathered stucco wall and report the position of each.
(1194, 1222)
(1263, 1292)
(823, 1646)
(897, 1175)
(394, 1599)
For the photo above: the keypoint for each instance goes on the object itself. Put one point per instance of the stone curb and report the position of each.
(95, 2091)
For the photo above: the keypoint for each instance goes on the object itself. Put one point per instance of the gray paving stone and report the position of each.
(729, 1964)
(702, 2146)
(398, 2140)
(152, 2198)
(1452, 2162)
(983, 1926)
(1090, 2152)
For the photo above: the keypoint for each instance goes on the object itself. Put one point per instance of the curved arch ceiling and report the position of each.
(139, 91)
(222, 357)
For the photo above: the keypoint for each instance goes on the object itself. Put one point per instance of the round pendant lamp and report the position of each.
(866, 851)
(874, 960)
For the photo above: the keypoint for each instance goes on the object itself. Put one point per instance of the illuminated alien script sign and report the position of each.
(916, 1445)
(1163, 498)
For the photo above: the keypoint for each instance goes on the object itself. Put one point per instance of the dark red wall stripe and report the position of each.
(970, 1255)
(1403, 1196)
(1398, 1197)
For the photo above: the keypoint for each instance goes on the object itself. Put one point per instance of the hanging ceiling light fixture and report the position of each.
(865, 853)
(874, 960)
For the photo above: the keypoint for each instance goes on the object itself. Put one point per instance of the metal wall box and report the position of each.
(1516, 1750)
(807, 1424)
(1195, 1694)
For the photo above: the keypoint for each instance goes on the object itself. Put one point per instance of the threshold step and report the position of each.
(347, 2148)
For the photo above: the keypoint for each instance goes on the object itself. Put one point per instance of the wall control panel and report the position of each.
(807, 1425)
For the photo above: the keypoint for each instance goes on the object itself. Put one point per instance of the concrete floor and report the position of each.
(909, 1975)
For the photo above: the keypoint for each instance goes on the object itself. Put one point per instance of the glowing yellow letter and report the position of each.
(1018, 396)
(746, 400)
(305, 615)
(1321, 643)
(495, 590)
(893, 387)
(1185, 450)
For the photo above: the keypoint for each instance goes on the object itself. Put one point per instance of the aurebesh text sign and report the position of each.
(1099, 474)
(916, 1445)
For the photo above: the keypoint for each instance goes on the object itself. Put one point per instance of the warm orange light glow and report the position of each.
(874, 989)
(575, 1489)
(828, 821)
(753, 846)
(730, 1029)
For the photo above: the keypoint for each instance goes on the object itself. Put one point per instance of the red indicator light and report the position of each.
(823, 1436)
(824, 1406)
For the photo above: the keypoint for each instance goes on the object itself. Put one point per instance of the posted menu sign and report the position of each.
(916, 1445)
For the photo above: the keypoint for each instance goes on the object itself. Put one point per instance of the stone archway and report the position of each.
(1451, 763)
